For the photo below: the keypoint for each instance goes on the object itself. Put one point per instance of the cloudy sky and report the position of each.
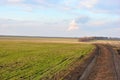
(61, 18)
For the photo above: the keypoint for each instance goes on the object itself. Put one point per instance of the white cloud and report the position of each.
(104, 22)
(88, 3)
(27, 8)
(97, 23)
(20, 3)
(41, 1)
(15, 1)
(73, 26)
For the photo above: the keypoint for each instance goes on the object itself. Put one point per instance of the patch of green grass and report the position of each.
(33, 61)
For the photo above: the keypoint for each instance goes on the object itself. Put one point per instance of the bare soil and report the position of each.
(104, 68)
(107, 66)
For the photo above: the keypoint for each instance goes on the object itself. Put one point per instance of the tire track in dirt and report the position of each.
(102, 64)
(104, 68)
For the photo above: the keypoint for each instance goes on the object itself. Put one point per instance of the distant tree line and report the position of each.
(85, 39)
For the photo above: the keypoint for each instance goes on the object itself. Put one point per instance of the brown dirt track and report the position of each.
(106, 67)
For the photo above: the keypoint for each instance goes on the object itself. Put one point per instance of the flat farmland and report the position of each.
(34, 59)
(40, 39)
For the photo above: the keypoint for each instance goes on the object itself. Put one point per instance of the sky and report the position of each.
(60, 18)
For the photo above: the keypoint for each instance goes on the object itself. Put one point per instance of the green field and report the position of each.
(26, 60)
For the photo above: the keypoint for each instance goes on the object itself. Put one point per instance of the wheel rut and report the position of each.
(104, 64)
(104, 68)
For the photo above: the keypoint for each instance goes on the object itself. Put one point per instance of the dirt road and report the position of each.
(104, 65)
(104, 68)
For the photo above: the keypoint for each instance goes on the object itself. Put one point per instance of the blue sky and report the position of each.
(60, 18)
